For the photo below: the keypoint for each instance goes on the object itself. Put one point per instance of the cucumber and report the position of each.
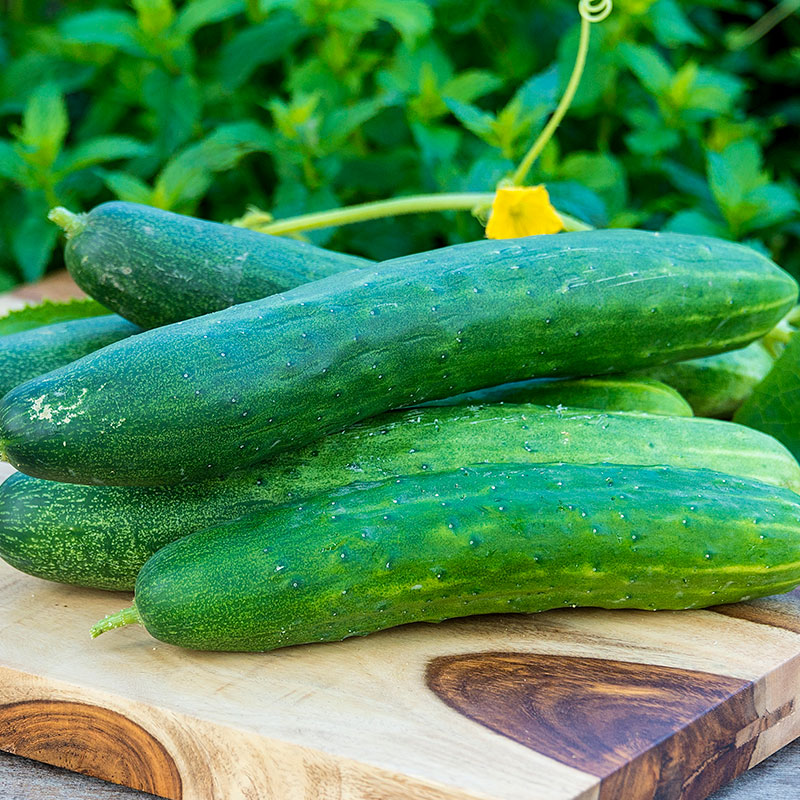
(277, 373)
(478, 541)
(34, 352)
(609, 393)
(716, 386)
(155, 267)
(100, 536)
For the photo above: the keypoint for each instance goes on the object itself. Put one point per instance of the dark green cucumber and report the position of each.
(716, 386)
(154, 267)
(478, 541)
(101, 536)
(606, 392)
(277, 373)
(34, 352)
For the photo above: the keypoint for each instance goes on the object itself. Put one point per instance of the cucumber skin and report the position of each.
(716, 386)
(155, 267)
(277, 373)
(485, 540)
(100, 536)
(34, 352)
(611, 393)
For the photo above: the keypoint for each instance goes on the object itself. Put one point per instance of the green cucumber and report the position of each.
(717, 385)
(277, 373)
(606, 392)
(100, 536)
(154, 267)
(482, 540)
(34, 352)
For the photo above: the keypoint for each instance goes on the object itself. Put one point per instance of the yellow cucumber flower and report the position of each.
(522, 211)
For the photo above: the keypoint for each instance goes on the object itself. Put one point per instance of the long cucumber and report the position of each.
(101, 536)
(277, 373)
(716, 386)
(155, 267)
(485, 540)
(30, 353)
(607, 392)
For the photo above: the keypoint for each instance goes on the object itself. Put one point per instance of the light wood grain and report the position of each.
(356, 719)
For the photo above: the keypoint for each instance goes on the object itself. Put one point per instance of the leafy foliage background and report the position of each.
(208, 106)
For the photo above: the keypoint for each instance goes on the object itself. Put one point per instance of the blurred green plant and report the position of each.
(683, 119)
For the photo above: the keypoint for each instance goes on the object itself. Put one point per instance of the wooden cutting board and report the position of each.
(575, 703)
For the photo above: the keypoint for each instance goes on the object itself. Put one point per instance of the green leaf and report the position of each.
(12, 165)
(412, 19)
(261, 44)
(127, 187)
(437, 143)
(481, 123)
(187, 176)
(338, 126)
(696, 222)
(44, 125)
(99, 150)
(671, 26)
(155, 16)
(32, 244)
(775, 204)
(116, 29)
(198, 13)
(648, 66)
(25, 74)
(176, 102)
(711, 94)
(774, 405)
(735, 171)
(538, 96)
(600, 172)
(49, 312)
(470, 85)
(408, 69)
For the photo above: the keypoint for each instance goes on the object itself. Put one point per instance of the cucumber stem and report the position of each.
(127, 616)
(71, 223)
(414, 204)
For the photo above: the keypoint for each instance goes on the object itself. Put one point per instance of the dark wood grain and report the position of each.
(91, 740)
(636, 726)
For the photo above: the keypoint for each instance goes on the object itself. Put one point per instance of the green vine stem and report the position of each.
(413, 204)
(763, 26)
(591, 11)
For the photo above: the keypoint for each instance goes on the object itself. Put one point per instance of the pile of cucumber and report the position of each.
(276, 444)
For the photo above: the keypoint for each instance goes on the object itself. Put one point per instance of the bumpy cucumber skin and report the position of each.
(276, 373)
(155, 267)
(485, 540)
(100, 536)
(34, 352)
(716, 386)
(610, 393)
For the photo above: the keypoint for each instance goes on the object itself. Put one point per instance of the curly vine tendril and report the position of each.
(595, 10)
(591, 11)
